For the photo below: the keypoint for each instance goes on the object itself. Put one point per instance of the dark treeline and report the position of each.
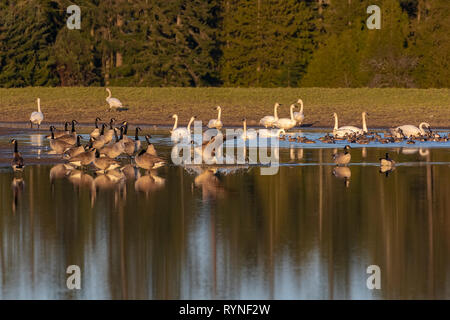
(266, 43)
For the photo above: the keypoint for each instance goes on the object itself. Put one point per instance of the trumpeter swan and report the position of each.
(273, 133)
(113, 102)
(216, 123)
(268, 121)
(286, 123)
(409, 130)
(299, 116)
(342, 158)
(356, 129)
(17, 161)
(37, 116)
(244, 134)
(180, 133)
(339, 132)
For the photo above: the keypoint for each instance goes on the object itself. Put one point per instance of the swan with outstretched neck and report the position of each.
(268, 121)
(216, 123)
(177, 133)
(299, 116)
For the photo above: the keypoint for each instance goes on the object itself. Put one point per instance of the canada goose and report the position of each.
(410, 130)
(150, 147)
(268, 121)
(75, 150)
(148, 161)
(342, 158)
(113, 102)
(216, 123)
(83, 159)
(58, 132)
(109, 134)
(58, 146)
(137, 142)
(17, 161)
(357, 130)
(37, 116)
(181, 133)
(96, 132)
(286, 123)
(343, 173)
(72, 137)
(299, 116)
(387, 162)
(125, 132)
(105, 163)
(130, 144)
(116, 149)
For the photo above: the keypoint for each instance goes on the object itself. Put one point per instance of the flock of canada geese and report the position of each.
(108, 141)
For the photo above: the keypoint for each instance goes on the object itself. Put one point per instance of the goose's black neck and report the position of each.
(15, 147)
(73, 126)
(136, 136)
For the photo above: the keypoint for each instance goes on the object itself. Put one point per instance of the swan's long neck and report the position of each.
(189, 124)
(175, 125)
(292, 112)
(301, 106)
(275, 111)
(220, 113)
(39, 104)
(336, 126)
(245, 130)
(421, 127)
(109, 93)
(364, 122)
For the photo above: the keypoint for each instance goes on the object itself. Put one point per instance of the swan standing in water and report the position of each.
(354, 129)
(409, 130)
(216, 123)
(268, 121)
(180, 133)
(243, 133)
(340, 132)
(286, 123)
(299, 116)
(113, 102)
(37, 116)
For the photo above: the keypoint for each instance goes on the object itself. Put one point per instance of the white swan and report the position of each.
(268, 121)
(216, 123)
(409, 130)
(180, 133)
(273, 133)
(113, 102)
(299, 116)
(286, 123)
(339, 132)
(244, 134)
(356, 129)
(37, 116)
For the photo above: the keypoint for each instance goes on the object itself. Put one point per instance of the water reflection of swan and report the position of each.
(18, 185)
(343, 173)
(422, 152)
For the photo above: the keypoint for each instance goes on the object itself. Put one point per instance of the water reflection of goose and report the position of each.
(343, 173)
(149, 182)
(60, 171)
(208, 180)
(18, 185)
(129, 171)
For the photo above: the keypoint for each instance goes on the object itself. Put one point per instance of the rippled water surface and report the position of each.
(308, 232)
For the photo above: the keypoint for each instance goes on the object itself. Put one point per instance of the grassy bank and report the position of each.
(386, 107)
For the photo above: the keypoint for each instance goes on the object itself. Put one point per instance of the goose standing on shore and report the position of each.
(37, 116)
(299, 116)
(17, 161)
(96, 132)
(286, 123)
(216, 123)
(113, 102)
(268, 121)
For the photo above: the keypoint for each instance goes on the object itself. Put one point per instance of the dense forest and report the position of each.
(258, 43)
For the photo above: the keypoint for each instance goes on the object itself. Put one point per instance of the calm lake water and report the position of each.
(182, 233)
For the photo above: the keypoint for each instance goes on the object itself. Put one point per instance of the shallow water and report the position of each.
(303, 233)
